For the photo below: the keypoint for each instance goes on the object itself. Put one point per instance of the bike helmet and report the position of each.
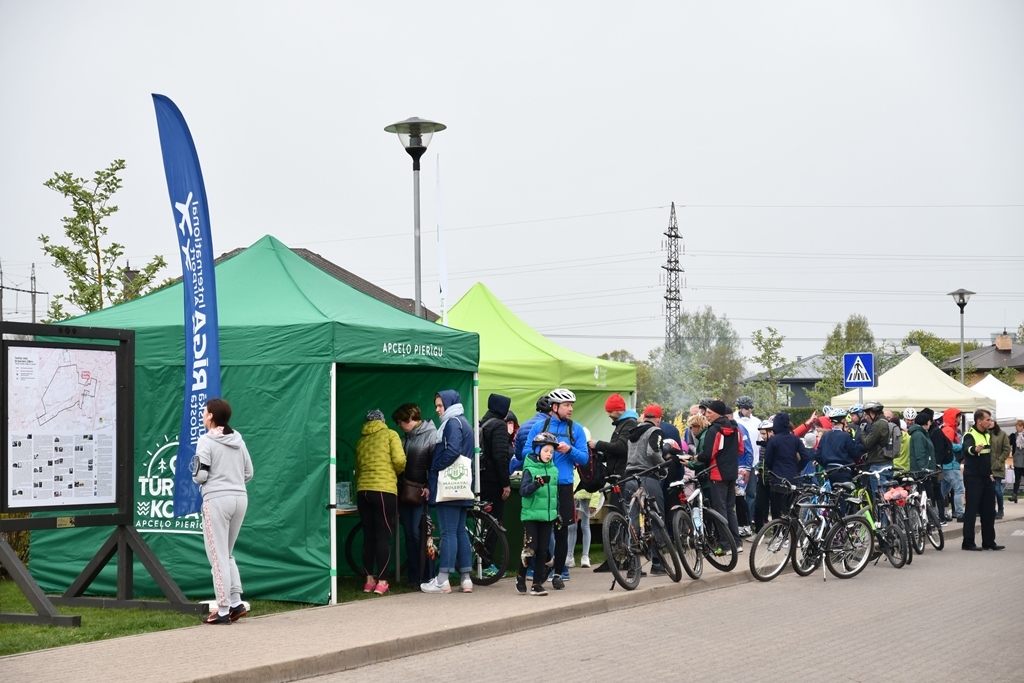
(543, 404)
(561, 396)
(873, 407)
(856, 409)
(745, 402)
(544, 439)
(826, 410)
(705, 402)
(837, 415)
(909, 414)
(766, 425)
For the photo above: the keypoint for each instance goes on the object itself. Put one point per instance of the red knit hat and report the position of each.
(653, 410)
(614, 402)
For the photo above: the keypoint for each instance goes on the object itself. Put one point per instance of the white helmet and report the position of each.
(561, 396)
(765, 424)
(909, 414)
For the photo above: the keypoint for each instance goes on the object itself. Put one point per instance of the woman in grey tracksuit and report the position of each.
(222, 466)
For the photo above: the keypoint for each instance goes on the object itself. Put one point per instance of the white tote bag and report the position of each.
(455, 482)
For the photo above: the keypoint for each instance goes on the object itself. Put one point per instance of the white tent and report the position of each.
(1009, 401)
(916, 383)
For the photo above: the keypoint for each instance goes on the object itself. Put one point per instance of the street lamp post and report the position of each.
(961, 297)
(414, 134)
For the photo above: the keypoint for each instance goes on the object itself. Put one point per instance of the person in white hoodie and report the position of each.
(222, 467)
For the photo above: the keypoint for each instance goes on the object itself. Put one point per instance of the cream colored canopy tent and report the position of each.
(916, 383)
(1009, 401)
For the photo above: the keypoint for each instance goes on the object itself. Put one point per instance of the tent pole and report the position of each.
(332, 478)
(476, 431)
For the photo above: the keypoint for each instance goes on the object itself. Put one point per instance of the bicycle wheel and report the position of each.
(771, 550)
(934, 530)
(848, 547)
(618, 551)
(686, 543)
(719, 548)
(489, 545)
(894, 545)
(806, 556)
(903, 519)
(354, 550)
(916, 532)
(664, 547)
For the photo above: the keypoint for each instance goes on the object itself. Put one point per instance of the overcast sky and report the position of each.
(825, 158)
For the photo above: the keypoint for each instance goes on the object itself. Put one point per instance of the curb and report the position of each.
(354, 658)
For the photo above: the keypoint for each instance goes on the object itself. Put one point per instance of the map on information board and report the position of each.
(61, 427)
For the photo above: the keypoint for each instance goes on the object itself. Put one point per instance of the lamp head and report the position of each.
(414, 134)
(961, 297)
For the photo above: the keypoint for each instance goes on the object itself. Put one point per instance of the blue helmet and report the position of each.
(857, 409)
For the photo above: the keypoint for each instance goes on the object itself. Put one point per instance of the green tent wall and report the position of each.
(285, 326)
(519, 362)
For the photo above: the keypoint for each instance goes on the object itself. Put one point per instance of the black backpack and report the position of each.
(593, 474)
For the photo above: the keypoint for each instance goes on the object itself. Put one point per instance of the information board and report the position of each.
(61, 426)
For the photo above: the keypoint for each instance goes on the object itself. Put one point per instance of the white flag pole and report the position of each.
(442, 262)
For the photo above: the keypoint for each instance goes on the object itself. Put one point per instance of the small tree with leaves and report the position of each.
(767, 391)
(853, 336)
(1007, 376)
(92, 269)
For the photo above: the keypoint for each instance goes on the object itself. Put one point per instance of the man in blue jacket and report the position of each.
(522, 447)
(571, 450)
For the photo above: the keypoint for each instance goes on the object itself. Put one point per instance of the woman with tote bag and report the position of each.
(453, 449)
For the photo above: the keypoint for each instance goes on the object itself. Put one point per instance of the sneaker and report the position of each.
(521, 585)
(739, 548)
(237, 612)
(585, 561)
(381, 588)
(944, 523)
(435, 586)
(538, 590)
(744, 531)
(602, 568)
(570, 562)
(629, 574)
(490, 572)
(369, 586)
(466, 586)
(658, 571)
(565, 573)
(215, 618)
(960, 519)
(557, 583)
(999, 515)
(529, 574)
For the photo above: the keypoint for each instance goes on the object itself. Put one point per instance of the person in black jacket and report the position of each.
(721, 453)
(495, 450)
(613, 452)
(418, 439)
(979, 484)
(784, 458)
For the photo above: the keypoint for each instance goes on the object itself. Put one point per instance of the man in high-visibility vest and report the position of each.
(979, 484)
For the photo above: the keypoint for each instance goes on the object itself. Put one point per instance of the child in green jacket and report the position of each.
(539, 490)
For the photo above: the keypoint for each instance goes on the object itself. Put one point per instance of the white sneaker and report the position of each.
(466, 586)
(433, 586)
(585, 561)
(570, 562)
(739, 548)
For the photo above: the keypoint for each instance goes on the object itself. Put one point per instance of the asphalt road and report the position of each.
(951, 615)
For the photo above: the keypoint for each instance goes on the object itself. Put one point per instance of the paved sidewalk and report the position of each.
(305, 643)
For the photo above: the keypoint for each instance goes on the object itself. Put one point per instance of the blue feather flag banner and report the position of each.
(195, 247)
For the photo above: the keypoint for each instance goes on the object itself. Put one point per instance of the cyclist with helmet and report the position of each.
(836, 447)
(539, 490)
(856, 414)
(875, 438)
(522, 443)
(571, 450)
(762, 501)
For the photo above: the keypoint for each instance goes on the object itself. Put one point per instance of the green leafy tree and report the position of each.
(934, 348)
(768, 393)
(1020, 334)
(92, 269)
(853, 336)
(1007, 376)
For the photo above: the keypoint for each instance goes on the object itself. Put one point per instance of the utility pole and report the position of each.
(33, 288)
(33, 291)
(672, 292)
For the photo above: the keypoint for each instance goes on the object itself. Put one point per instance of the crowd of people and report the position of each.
(397, 475)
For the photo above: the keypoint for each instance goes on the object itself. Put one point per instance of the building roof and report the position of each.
(349, 278)
(806, 369)
(989, 358)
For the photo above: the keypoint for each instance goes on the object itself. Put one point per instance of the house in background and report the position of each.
(1003, 353)
(804, 374)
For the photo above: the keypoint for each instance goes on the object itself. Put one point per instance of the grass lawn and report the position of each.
(100, 624)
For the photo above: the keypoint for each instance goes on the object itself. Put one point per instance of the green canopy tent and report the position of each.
(303, 357)
(519, 362)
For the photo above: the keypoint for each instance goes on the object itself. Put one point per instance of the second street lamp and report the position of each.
(961, 297)
(414, 134)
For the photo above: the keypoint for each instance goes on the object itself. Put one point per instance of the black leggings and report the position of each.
(377, 511)
(1018, 472)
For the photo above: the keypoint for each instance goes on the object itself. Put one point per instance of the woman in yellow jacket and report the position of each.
(379, 460)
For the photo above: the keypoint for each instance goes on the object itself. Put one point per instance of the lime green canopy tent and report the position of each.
(519, 362)
(304, 356)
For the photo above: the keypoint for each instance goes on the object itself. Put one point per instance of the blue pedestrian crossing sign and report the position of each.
(858, 370)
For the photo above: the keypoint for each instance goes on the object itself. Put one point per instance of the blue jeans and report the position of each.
(953, 480)
(875, 481)
(455, 550)
(410, 517)
(999, 496)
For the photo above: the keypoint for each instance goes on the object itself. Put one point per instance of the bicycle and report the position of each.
(922, 508)
(482, 527)
(626, 543)
(891, 539)
(699, 532)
